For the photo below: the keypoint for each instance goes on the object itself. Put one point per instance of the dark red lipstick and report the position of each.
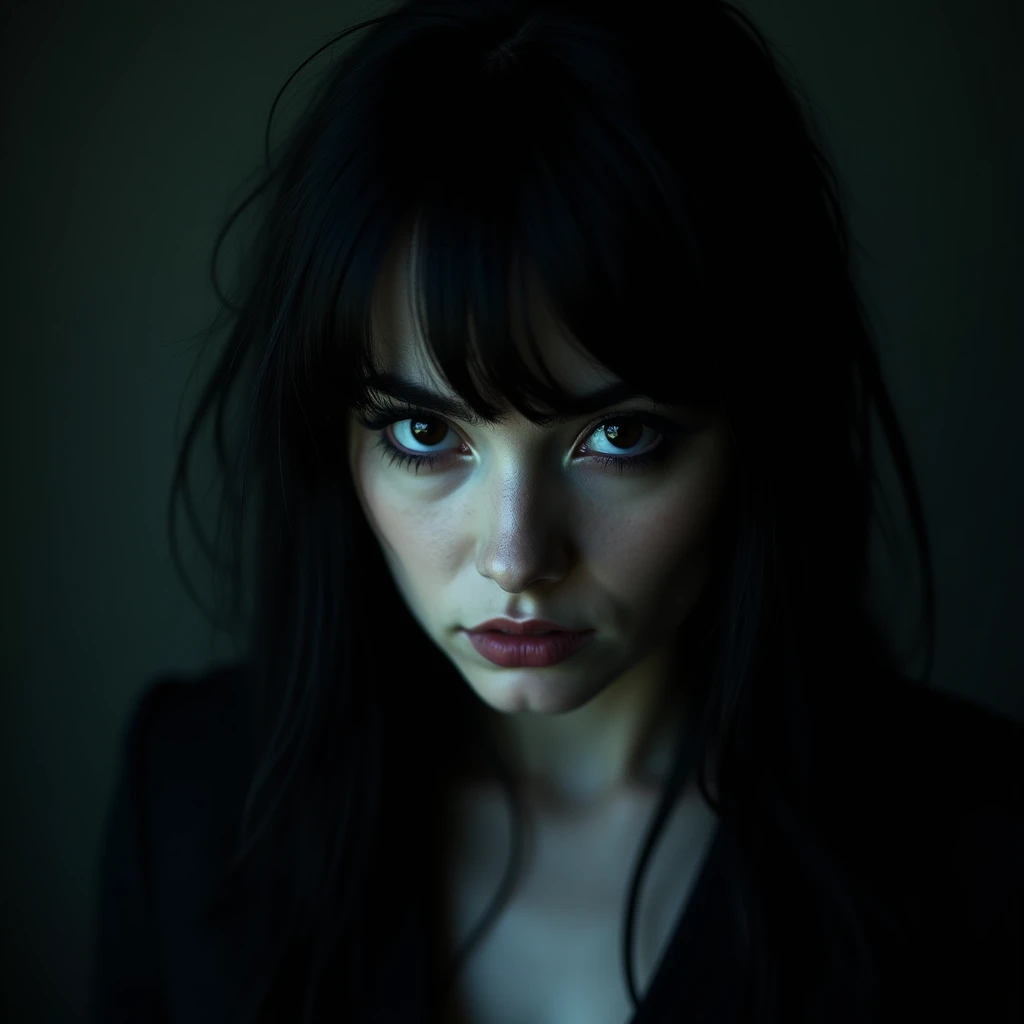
(526, 643)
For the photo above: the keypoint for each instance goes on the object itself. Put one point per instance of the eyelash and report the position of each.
(668, 429)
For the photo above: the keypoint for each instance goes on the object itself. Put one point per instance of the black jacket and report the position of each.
(926, 799)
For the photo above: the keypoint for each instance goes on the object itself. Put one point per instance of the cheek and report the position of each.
(657, 556)
(653, 542)
(418, 537)
(415, 538)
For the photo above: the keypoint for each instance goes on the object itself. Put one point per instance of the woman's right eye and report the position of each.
(422, 428)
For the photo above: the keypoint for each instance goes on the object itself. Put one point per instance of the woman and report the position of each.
(550, 321)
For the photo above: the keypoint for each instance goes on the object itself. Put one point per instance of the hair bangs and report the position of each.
(492, 276)
(520, 202)
(489, 279)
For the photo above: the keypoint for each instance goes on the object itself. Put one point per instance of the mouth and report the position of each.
(511, 648)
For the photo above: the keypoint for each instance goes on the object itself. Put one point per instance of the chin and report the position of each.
(534, 695)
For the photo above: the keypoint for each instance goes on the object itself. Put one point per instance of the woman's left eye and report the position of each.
(625, 432)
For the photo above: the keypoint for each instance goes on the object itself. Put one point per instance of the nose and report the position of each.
(524, 540)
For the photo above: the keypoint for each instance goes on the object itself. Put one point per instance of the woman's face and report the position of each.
(524, 521)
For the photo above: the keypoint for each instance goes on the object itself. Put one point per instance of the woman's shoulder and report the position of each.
(924, 745)
(948, 744)
(186, 755)
(919, 793)
(185, 724)
(922, 787)
(176, 706)
(963, 762)
(170, 828)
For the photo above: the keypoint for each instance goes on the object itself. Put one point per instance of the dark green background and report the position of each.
(128, 129)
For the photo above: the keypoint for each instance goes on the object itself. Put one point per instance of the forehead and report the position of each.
(399, 345)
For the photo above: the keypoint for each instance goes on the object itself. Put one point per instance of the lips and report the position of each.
(528, 650)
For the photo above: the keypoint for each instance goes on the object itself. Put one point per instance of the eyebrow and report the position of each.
(404, 389)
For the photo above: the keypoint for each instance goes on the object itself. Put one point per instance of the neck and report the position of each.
(616, 746)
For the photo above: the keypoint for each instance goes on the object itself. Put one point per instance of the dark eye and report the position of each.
(421, 430)
(619, 435)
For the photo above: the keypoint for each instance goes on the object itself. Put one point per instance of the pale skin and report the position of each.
(512, 521)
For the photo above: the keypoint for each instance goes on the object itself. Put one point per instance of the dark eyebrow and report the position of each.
(406, 390)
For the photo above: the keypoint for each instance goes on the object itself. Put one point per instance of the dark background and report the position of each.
(128, 129)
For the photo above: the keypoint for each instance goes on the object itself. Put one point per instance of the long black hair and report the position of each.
(658, 171)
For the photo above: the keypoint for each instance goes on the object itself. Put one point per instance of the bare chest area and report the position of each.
(554, 954)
